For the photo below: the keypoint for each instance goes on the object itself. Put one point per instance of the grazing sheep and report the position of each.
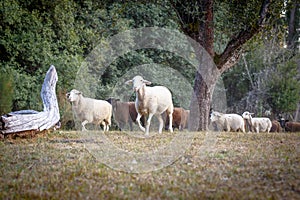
(275, 126)
(227, 122)
(180, 118)
(124, 112)
(151, 101)
(257, 124)
(90, 110)
(292, 126)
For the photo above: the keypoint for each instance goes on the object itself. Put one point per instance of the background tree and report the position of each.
(197, 20)
(264, 59)
(284, 88)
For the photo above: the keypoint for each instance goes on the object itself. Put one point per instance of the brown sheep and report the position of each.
(124, 113)
(292, 126)
(180, 118)
(275, 126)
(185, 119)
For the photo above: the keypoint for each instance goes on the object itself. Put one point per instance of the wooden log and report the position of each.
(25, 120)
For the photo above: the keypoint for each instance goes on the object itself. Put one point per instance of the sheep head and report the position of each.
(73, 95)
(138, 82)
(215, 116)
(247, 115)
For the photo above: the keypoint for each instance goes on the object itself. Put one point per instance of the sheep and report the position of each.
(124, 112)
(292, 126)
(228, 122)
(276, 127)
(90, 110)
(151, 101)
(180, 118)
(282, 122)
(257, 124)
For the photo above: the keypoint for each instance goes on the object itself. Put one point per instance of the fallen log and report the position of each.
(25, 120)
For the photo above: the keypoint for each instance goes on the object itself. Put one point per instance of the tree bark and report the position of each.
(26, 120)
(206, 28)
(200, 105)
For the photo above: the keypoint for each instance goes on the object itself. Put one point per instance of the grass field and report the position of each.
(59, 165)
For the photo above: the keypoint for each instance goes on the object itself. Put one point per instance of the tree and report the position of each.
(284, 88)
(197, 21)
(293, 24)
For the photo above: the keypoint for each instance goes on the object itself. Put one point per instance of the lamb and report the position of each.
(257, 124)
(228, 122)
(124, 112)
(151, 101)
(90, 110)
(180, 118)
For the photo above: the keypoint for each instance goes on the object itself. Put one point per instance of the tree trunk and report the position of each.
(205, 81)
(26, 120)
(200, 105)
(291, 44)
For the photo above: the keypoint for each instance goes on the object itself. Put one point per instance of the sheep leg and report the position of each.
(83, 125)
(243, 128)
(148, 123)
(170, 122)
(121, 125)
(161, 123)
(105, 125)
(139, 122)
(180, 127)
(257, 129)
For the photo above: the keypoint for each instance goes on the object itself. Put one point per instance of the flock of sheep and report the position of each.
(157, 101)
(235, 122)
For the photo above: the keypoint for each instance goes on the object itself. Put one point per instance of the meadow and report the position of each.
(60, 165)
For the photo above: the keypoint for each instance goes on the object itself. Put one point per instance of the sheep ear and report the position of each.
(147, 82)
(128, 82)
(251, 113)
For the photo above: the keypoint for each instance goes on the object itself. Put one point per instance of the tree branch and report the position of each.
(232, 51)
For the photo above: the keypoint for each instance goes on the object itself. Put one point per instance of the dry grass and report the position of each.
(57, 165)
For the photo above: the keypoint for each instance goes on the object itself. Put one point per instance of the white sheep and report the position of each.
(257, 124)
(228, 122)
(151, 101)
(90, 110)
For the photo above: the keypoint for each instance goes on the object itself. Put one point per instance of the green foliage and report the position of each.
(232, 17)
(284, 88)
(6, 91)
